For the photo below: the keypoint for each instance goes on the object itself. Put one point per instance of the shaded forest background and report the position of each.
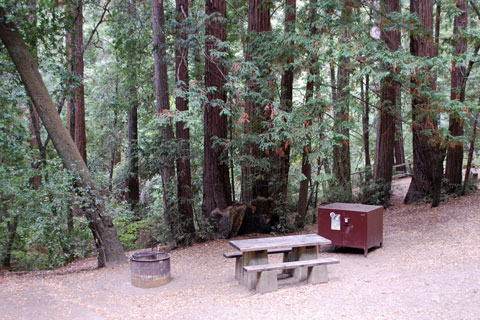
(168, 122)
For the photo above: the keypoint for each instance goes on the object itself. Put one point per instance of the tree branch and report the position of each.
(105, 10)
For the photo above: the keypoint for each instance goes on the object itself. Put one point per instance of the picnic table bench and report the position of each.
(253, 266)
(239, 260)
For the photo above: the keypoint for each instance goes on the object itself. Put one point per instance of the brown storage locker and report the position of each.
(351, 225)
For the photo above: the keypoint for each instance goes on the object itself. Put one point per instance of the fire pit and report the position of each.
(150, 269)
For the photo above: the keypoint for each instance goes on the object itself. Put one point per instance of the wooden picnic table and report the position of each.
(254, 252)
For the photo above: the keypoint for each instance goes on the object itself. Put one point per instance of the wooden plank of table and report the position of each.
(257, 244)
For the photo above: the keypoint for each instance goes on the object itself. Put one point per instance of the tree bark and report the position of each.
(132, 196)
(282, 154)
(427, 152)
(109, 248)
(184, 177)
(163, 106)
(470, 153)
(76, 104)
(133, 186)
(365, 96)
(388, 111)
(398, 146)
(453, 170)
(302, 204)
(216, 181)
(254, 181)
(341, 150)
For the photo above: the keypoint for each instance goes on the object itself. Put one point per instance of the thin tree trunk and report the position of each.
(163, 106)
(216, 182)
(11, 234)
(341, 150)
(453, 170)
(470, 153)
(184, 177)
(109, 248)
(132, 196)
(398, 147)
(388, 112)
(133, 186)
(366, 126)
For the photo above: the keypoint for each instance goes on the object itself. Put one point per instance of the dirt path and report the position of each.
(428, 268)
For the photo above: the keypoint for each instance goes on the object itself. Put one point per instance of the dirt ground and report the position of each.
(428, 268)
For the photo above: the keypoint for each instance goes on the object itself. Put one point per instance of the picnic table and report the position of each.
(304, 247)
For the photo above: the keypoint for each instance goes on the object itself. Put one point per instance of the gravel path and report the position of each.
(428, 268)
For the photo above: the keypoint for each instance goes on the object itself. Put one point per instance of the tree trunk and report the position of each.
(184, 177)
(427, 152)
(302, 204)
(163, 106)
(388, 111)
(216, 182)
(282, 154)
(341, 150)
(365, 96)
(109, 248)
(254, 181)
(76, 104)
(133, 186)
(11, 234)
(470, 153)
(132, 195)
(398, 146)
(453, 170)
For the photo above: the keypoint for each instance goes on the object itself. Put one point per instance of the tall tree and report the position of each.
(341, 150)
(428, 154)
(163, 104)
(216, 183)
(108, 244)
(258, 22)
(306, 169)
(282, 154)
(453, 170)
(184, 176)
(133, 186)
(76, 103)
(388, 107)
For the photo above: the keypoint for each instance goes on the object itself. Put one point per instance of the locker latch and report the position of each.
(347, 222)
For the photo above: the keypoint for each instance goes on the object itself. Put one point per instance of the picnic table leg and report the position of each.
(303, 253)
(251, 259)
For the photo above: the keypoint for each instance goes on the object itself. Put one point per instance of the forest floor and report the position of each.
(428, 268)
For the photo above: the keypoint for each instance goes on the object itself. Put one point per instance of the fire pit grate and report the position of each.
(150, 269)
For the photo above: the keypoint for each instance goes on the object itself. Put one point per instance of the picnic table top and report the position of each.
(258, 244)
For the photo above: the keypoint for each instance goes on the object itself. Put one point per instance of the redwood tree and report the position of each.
(453, 170)
(388, 109)
(184, 177)
(306, 169)
(341, 150)
(428, 154)
(282, 154)
(216, 183)
(258, 22)
(163, 104)
(76, 103)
